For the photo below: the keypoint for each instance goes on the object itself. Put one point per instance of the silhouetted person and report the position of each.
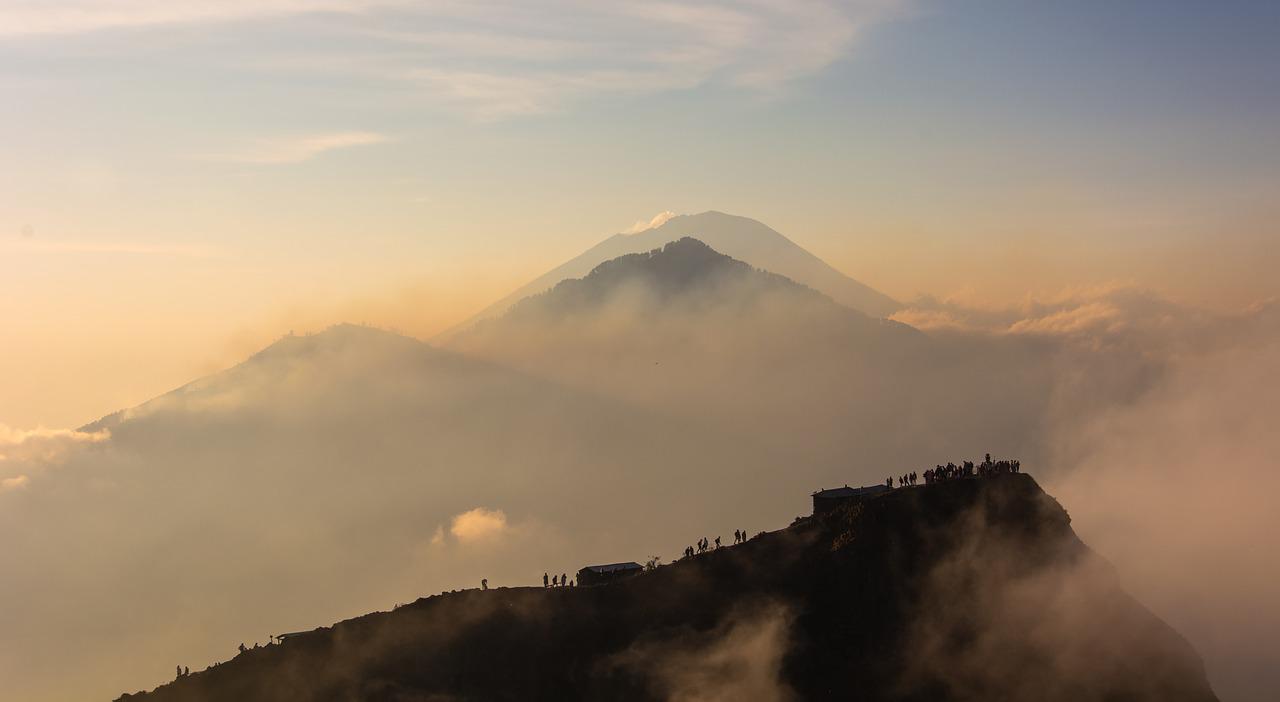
(555, 581)
(545, 579)
(888, 482)
(563, 579)
(179, 673)
(717, 542)
(242, 648)
(573, 583)
(484, 583)
(185, 671)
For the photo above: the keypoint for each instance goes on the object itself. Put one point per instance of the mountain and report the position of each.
(971, 589)
(328, 474)
(682, 276)
(687, 331)
(739, 237)
(666, 392)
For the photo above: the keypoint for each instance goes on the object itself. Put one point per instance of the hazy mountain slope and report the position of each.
(968, 590)
(341, 472)
(327, 475)
(688, 331)
(739, 237)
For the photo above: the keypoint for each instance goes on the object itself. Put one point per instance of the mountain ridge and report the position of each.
(838, 604)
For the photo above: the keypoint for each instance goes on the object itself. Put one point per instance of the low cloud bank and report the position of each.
(1179, 491)
(741, 659)
(37, 448)
(1175, 485)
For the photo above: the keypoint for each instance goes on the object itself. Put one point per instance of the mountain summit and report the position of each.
(684, 267)
(741, 238)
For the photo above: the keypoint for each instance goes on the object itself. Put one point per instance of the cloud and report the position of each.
(478, 525)
(14, 483)
(295, 149)
(53, 17)
(1036, 606)
(1186, 477)
(43, 444)
(740, 659)
(501, 59)
(657, 221)
(1099, 314)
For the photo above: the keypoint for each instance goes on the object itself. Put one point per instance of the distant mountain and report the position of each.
(325, 475)
(739, 237)
(682, 282)
(685, 268)
(973, 589)
(687, 331)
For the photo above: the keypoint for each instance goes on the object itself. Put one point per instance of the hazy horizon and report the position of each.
(258, 167)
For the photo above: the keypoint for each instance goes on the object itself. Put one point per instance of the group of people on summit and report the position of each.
(739, 537)
(560, 580)
(967, 469)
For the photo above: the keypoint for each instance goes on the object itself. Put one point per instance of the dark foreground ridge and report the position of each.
(968, 589)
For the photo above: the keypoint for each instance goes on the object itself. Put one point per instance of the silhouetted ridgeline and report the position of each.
(971, 589)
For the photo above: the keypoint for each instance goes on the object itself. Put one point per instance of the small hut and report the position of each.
(827, 500)
(601, 574)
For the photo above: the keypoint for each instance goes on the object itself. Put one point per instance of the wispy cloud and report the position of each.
(52, 17)
(41, 445)
(295, 149)
(657, 221)
(14, 483)
(506, 58)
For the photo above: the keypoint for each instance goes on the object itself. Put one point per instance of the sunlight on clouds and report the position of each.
(41, 17)
(23, 451)
(42, 443)
(1098, 312)
(657, 221)
(478, 525)
(14, 483)
(503, 59)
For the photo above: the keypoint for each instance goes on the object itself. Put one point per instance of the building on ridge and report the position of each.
(827, 500)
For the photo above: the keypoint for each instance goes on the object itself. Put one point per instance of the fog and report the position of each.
(741, 659)
(1025, 611)
(354, 469)
(1178, 490)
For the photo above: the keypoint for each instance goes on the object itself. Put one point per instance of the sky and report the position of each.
(183, 182)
